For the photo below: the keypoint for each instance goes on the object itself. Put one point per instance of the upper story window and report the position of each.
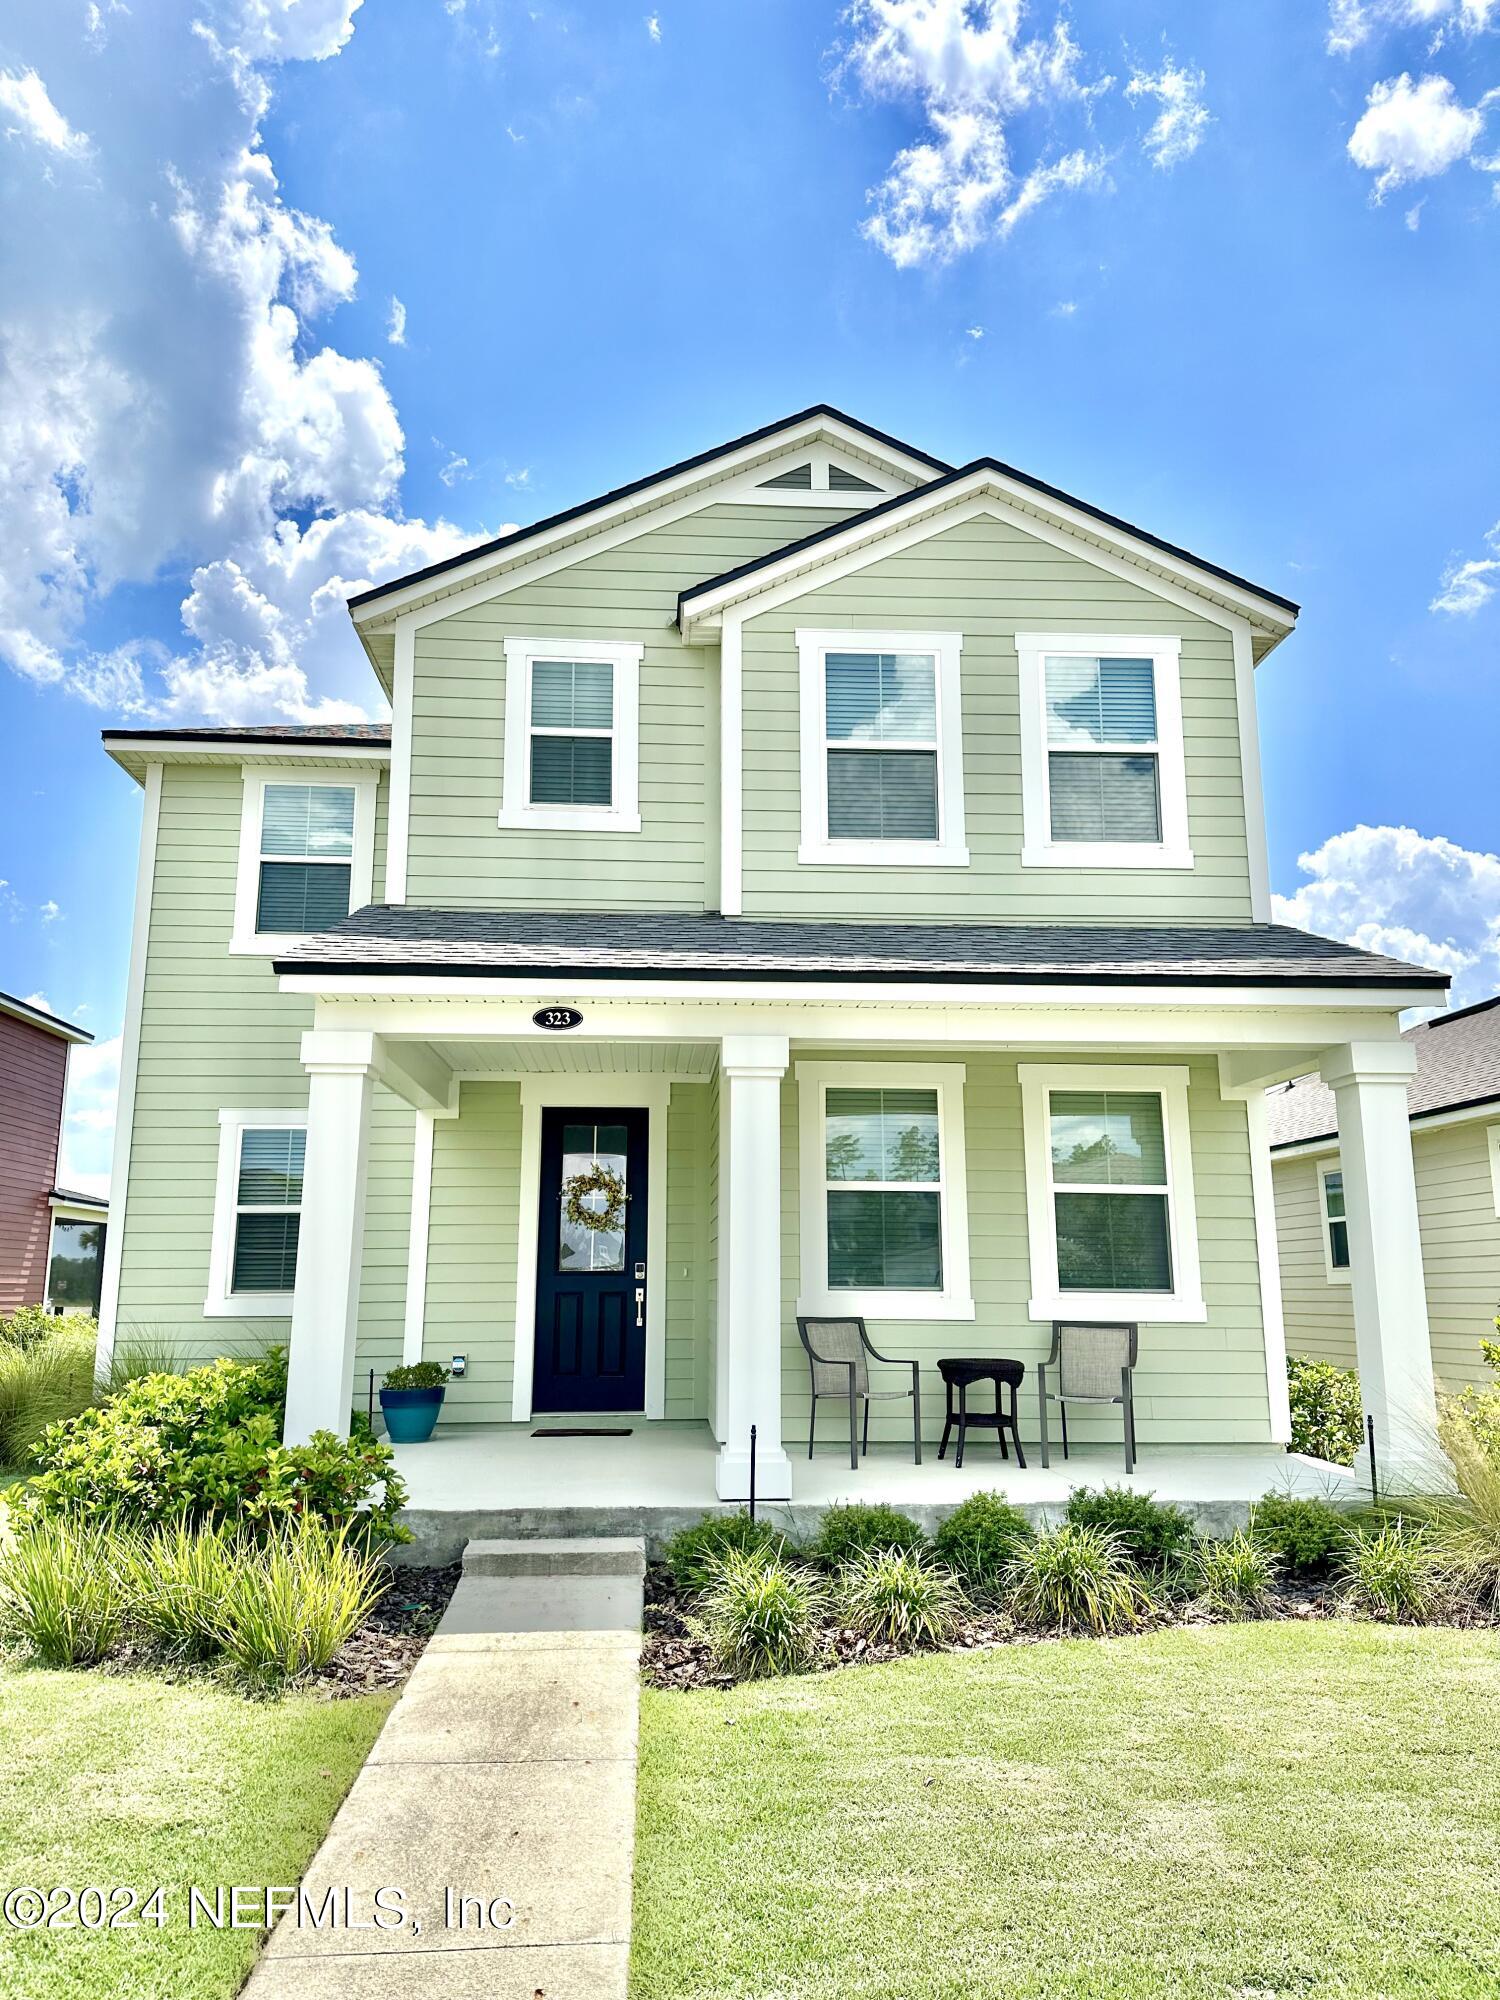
(1109, 1192)
(882, 775)
(307, 841)
(1103, 774)
(571, 746)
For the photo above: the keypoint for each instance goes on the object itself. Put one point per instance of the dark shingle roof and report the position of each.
(405, 939)
(1458, 1064)
(261, 732)
(79, 1200)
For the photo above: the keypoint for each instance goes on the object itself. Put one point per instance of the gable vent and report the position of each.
(840, 481)
(799, 475)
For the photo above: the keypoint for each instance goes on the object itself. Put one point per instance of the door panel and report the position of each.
(590, 1325)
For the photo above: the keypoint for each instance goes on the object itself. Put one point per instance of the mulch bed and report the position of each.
(390, 1642)
(673, 1657)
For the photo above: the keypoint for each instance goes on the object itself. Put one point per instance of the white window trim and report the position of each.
(1335, 1275)
(245, 941)
(1039, 849)
(1492, 1137)
(815, 849)
(221, 1302)
(814, 1079)
(1049, 1301)
(623, 814)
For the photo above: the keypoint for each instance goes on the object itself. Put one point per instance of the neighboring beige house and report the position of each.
(1454, 1102)
(845, 871)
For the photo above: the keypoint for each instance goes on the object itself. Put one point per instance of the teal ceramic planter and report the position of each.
(410, 1413)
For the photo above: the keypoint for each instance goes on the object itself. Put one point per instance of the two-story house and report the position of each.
(842, 872)
(50, 1237)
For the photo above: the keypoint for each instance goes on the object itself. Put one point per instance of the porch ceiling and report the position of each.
(556, 1057)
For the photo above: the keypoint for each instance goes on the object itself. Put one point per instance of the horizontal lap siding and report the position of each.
(988, 580)
(216, 1032)
(687, 1274)
(1196, 1384)
(1460, 1256)
(33, 1077)
(458, 854)
(471, 1249)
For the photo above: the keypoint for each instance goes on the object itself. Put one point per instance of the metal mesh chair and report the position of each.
(839, 1356)
(1090, 1363)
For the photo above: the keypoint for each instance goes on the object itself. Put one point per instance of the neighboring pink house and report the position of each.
(37, 1218)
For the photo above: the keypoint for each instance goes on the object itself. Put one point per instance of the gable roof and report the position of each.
(42, 1017)
(390, 938)
(363, 600)
(980, 475)
(1458, 1066)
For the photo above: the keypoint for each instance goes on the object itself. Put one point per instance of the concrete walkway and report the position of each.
(504, 1774)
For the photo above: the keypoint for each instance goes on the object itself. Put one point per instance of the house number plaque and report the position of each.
(557, 1017)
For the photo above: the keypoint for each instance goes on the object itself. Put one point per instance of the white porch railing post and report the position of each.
(749, 1360)
(1392, 1342)
(325, 1304)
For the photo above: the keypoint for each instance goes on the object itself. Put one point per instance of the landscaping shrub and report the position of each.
(1234, 1577)
(27, 1326)
(1392, 1574)
(416, 1375)
(1306, 1536)
(1078, 1578)
(899, 1597)
(61, 1591)
(292, 1599)
(206, 1446)
(1151, 1534)
(979, 1537)
(1464, 1525)
(1480, 1407)
(42, 1382)
(176, 1580)
(693, 1555)
(855, 1529)
(140, 1350)
(1328, 1417)
(761, 1613)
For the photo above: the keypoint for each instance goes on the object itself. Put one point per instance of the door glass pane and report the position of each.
(1102, 797)
(884, 1240)
(882, 795)
(1113, 1138)
(580, 1247)
(1113, 1243)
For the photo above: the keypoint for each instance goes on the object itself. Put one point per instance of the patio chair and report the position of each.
(839, 1356)
(1089, 1363)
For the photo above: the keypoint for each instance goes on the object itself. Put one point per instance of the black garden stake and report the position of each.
(752, 1472)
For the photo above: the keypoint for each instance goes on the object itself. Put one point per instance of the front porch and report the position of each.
(487, 1480)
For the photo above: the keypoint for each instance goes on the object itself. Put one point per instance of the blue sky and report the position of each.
(295, 294)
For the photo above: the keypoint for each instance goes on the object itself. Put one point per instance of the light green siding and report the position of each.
(1199, 1384)
(217, 1033)
(988, 581)
(1460, 1255)
(458, 855)
(471, 1249)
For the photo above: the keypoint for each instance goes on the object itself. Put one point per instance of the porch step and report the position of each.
(602, 1555)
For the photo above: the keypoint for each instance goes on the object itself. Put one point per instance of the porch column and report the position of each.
(1392, 1343)
(325, 1304)
(749, 1360)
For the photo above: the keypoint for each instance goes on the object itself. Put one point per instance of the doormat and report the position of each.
(581, 1434)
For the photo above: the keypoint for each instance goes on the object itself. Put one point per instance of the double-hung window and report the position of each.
(1335, 1223)
(571, 750)
(884, 1230)
(1109, 1192)
(1103, 772)
(257, 1212)
(882, 778)
(307, 841)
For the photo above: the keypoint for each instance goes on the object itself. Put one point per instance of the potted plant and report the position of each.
(410, 1398)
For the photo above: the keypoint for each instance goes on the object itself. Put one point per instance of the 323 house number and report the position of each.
(557, 1017)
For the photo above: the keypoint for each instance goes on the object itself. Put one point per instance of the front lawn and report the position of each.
(1217, 1813)
(138, 1780)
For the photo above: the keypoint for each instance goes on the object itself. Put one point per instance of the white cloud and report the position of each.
(653, 26)
(975, 332)
(27, 112)
(1413, 216)
(1064, 309)
(1425, 899)
(89, 1117)
(972, 71)
(49, 912)
(1413, 131)
(456, 469)
(164, 397)
(395, 326)
(1468, 586)
(1352, 22)
(1183, 119)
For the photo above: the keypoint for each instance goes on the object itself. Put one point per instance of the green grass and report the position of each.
(138, 1780)
(1244, 1811)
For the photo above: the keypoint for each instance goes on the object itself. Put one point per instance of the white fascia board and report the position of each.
(38, 1017)
(863, 541)
(237, 750)
(691, 489)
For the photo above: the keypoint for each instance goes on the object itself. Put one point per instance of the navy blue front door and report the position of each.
(591, 1283)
